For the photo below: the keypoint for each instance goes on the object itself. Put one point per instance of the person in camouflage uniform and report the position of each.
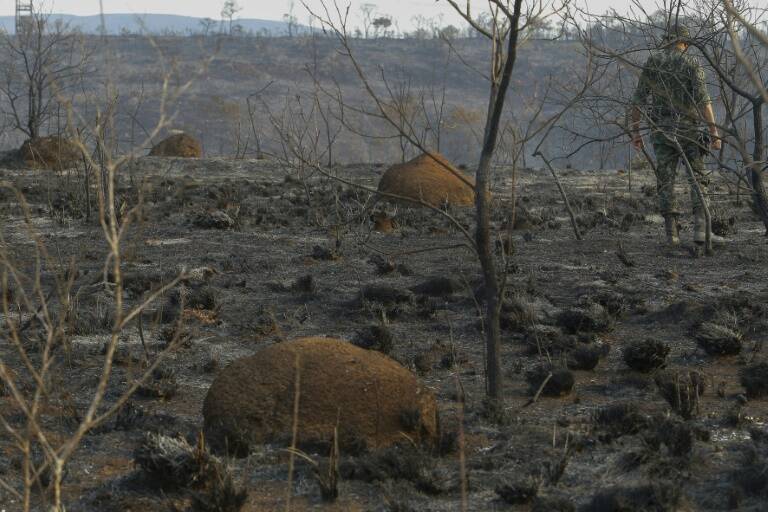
(674, 82)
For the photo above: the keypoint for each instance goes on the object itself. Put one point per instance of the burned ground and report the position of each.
(300, 257)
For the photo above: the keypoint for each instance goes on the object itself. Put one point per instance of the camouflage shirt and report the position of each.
(676, 85)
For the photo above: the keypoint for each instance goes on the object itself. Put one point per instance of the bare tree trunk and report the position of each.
(483, 206)
(755, 172)
(32, 114)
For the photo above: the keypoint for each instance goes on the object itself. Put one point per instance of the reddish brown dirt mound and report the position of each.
(430, 178)
(383, 223)
(52, 152)
(180, 145)
(374, 401)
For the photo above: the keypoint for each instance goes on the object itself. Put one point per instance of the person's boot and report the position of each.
(672, 229)
(700, 230)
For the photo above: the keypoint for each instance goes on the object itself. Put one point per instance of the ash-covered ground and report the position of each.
(275, 256)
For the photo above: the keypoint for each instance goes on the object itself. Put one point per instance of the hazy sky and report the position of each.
(402, 10)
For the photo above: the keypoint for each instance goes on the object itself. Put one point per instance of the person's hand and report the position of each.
(717, 143)
(637, 141)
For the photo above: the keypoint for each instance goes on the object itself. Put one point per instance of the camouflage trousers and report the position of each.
(667, 163)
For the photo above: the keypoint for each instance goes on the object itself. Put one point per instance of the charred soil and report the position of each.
(674, 424)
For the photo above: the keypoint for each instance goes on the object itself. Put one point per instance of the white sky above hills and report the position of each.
(402, 10)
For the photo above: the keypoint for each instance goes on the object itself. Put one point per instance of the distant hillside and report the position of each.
(153, 23)
(217, 108)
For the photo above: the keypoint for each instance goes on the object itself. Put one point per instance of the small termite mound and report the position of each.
(179, 145)
(337, 386)
(383, 223)
(54, 152)
(430, 179)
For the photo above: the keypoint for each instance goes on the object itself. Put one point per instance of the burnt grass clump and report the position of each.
(555, 381)
(677, 436)
(587, 357)
(321, 253)
(718, 340)
(552, 504)
(129, 417)
(394, 463)
(214, 219)
(752, 476)
(387, 266)
(616, 420)
(617, 304)
(438, 287)
(305, 285)
(546, 339)
(519, 492)
(176, 333)
(137, 282)
(681, 390)
(591, 318)
(655, 497)
(754, 378)
(517, 314)
(172, 464)
(385, 295)
(194, 297)
(94, 320)
(723, 224)
(162, 385)
(646, 356)
(221, 493)
(438, 353)
(375, 337)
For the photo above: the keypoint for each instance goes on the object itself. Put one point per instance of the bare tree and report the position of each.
(45, 62)
(290, 21)
(381, 26)
(367, 12)
(229, 11)
(47, 306)
(422, 25)
(740, 61)
(207, 26)
(509, 20)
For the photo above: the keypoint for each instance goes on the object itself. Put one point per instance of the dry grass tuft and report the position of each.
(646, 356)
(174, 465)
(717, 339)
(682, 390)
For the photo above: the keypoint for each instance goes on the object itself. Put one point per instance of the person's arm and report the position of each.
(634, 129)
(705, 105)
(709, 116)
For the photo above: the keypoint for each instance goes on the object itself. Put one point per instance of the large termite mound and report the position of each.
(374, 401)
(429, 178)
(51, 152)
(180, 145)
